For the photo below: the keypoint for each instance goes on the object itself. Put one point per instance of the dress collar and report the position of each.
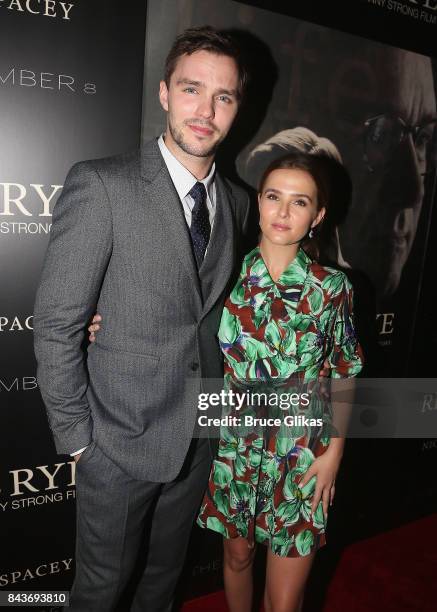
(293, 275)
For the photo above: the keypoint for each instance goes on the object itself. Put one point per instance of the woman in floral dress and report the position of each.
(286, 316)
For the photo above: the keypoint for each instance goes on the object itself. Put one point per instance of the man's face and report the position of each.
(201, 102)
(379, 231)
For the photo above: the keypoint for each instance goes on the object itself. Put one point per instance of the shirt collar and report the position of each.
(293, 275)
(182, 178)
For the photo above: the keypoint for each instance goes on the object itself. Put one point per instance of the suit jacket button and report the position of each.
(194, 366)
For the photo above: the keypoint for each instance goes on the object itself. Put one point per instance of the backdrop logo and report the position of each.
(22, 77)
(385, 327)
(38, 486)
(14, 324)
(30, 573)
(429, 445)
(23, 383)
(35, 200)
(422, 10)
(45, 8)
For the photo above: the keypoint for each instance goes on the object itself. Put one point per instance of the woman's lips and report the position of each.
(280, 228)
(201, 131)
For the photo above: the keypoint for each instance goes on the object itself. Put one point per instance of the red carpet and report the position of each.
(394, 571)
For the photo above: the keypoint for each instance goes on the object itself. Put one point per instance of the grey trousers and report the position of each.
(114, 525)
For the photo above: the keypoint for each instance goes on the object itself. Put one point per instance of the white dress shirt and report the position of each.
(184, 181)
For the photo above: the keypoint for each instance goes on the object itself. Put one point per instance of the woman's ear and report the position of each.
(319, 217)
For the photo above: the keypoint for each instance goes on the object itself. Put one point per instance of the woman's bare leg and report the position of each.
(285, 582)
(237, 573)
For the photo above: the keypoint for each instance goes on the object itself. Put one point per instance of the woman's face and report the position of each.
(288, 206)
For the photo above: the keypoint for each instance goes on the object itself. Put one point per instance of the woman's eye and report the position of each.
(271, 196)
(300, 202)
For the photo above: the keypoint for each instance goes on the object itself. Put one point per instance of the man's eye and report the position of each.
(225, 99)
(190, 90)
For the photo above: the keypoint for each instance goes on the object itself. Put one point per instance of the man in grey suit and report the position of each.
(150, 240)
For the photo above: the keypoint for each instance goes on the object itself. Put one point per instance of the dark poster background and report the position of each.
(70, 89)
(318, 78)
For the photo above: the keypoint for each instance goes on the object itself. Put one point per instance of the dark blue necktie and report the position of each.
(200, 229)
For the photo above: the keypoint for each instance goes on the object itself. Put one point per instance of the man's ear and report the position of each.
(163, 95)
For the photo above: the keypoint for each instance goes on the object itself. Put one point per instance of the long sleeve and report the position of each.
(77, 256)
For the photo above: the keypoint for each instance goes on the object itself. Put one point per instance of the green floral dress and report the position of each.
(278, 334)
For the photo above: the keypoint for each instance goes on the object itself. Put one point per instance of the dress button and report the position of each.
(194, 366)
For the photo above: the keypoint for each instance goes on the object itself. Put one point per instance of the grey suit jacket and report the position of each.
(120, 245)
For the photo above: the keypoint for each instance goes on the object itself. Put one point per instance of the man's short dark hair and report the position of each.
(207, 38)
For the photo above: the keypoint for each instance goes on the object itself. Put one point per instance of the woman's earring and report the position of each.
(311, 234)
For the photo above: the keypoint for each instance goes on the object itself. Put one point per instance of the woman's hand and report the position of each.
(94, 327)
(325, 469)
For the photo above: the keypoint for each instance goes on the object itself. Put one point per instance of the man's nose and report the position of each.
(206, 108)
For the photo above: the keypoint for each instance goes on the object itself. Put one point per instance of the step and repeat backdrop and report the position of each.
(359, 86)
(70, 89)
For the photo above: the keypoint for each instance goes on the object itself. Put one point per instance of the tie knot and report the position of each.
(198, 192)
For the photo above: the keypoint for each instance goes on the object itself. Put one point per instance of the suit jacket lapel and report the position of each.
(220, 257)
(161, 194)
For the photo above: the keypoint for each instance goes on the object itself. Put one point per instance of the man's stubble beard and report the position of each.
(178, 137)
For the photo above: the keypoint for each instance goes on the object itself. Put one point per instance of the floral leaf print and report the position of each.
(221, 501)
(230, 328)
(255, 456)
(199, 518)
(316, 300)
(270, 467)
(319, 517)
(289, 511)
(212, 522)
(222, 474)
(304, 542)
(334, 283)
(282, 543)
(284, 444)
(292, 276)
(240, 465)
(285, 367)
(305, 459)
(230, 445)
(238, 294)
(289, 342)
(272, 335)
(254, 349)
(259, 274)
(302, 322)
(309, 349)
(239, 491)
(261, 534)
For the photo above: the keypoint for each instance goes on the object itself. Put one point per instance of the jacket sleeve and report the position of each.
(77, 256)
